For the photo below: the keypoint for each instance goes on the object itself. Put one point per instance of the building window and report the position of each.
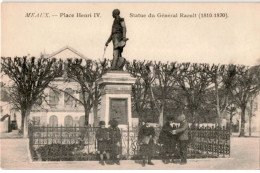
(82, 121)
(54, 98)
(4, 95)
(53, 121)
(36, 121)
(38, 102)
(68, 99)
(68, 121)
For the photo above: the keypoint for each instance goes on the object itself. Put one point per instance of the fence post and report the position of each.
(87, 128)
(47, 138)
(95, 140)
(128, 140)
(229, 141)
(74, 135)
(207, 141)
(60, 152)
(212, 141)
(223, 139)
(30, 141)
(218, 138)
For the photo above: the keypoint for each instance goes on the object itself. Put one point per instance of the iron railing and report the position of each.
(79, 143)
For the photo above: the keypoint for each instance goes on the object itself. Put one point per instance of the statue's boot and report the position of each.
(121, 63)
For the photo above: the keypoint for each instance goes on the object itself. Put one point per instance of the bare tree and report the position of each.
(166, 83)
(86, 73)
(30, 78)
(251, 112)
(247, 84)
(222, 77)
(193, 79)
(141, 88)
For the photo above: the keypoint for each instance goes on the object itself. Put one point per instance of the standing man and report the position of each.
(182, 133)
(146, 140)
(118, 35)
(102, 136)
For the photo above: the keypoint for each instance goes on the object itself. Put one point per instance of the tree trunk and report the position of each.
(22, 122)
(25, 130)
(219, 120)
(243, 120)
(161, 117)
(86, 116)
(95, 112)
(250, 116)
(26, 121)
(9, 124)
(193, 117)
(231, 123)
(219, 117)
(250, 125)
(230, 128)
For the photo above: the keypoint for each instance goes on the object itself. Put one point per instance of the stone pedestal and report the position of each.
(116, 89)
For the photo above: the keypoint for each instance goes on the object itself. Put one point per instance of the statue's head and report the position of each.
(115, 13)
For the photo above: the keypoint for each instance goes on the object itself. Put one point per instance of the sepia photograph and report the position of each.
(130, 86)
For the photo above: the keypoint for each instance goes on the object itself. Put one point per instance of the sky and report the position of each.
(235, 39)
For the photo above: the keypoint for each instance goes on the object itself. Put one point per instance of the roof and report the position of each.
(64, 49)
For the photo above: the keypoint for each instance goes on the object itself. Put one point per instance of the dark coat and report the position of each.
(146, 149)
(182, 131)
(114, 134)
(145, 131)
(167, 138)
(115, 137)
(165, 135)
(102, 136)
(117, 28)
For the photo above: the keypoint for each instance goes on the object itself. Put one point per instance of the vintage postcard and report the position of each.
(131, 86)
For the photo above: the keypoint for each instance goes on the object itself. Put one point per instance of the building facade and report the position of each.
(60, 108)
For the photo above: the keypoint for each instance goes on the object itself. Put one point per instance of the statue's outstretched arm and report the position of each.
(109, 39)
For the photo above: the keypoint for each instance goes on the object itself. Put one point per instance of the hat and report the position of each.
(147, 121)
(181, 117)
(113, 123)
(170, 119)
(102, 123)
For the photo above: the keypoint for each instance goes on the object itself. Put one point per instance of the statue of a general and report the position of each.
(118, 36)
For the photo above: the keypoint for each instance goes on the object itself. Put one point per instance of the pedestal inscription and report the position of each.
(116, 87)
(118, 110)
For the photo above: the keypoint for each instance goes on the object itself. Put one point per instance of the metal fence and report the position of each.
(79, 143)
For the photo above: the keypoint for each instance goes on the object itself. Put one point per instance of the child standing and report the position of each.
(115, 141)
(146, 140)
(102, 136)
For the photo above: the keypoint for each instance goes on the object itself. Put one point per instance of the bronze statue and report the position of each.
(118, 36)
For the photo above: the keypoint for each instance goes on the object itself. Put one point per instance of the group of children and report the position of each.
(108, 142)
